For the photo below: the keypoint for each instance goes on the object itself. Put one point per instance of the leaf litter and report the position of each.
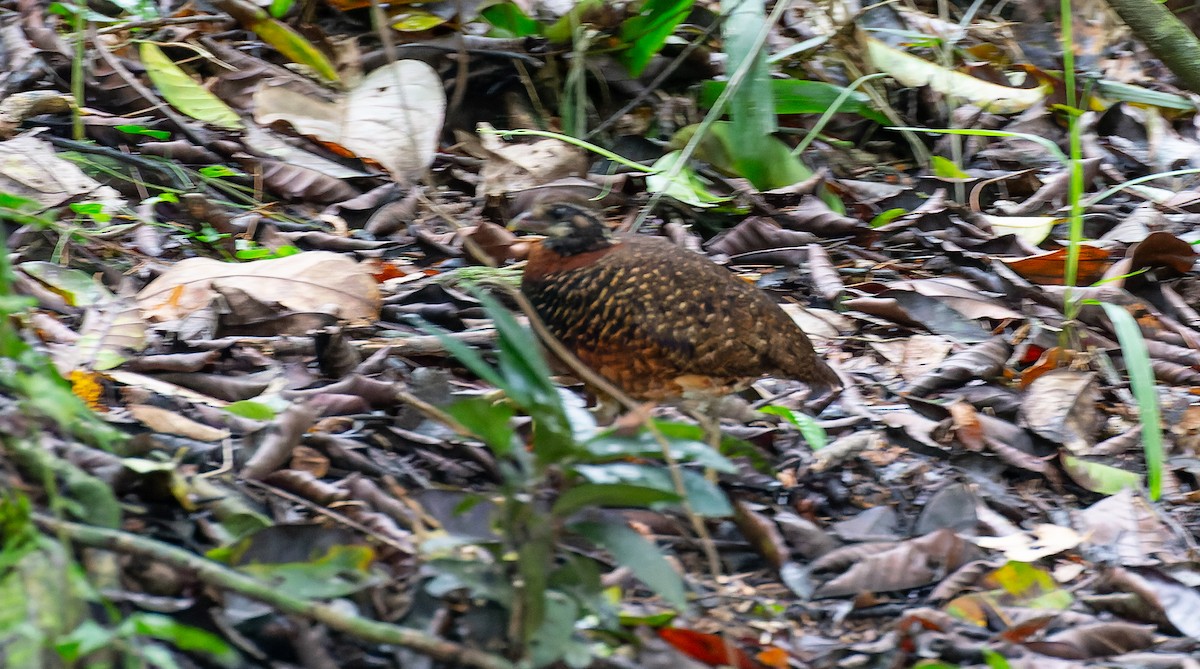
(294, 398)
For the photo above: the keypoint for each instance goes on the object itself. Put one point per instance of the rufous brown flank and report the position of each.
(658, 321)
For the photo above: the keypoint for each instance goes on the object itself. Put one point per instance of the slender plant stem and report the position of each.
(220, 576)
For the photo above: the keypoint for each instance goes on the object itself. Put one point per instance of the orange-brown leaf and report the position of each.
(710, 649)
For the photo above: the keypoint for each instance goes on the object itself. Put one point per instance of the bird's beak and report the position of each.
(527, 222)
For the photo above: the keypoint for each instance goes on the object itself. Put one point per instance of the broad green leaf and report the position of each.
(525, 377)
(183, 92)
(341, 571)
(687, 186)
(480, 579)
(287, 41)
(768, 163)
(467, 356)
(416, 20)
(592, 496)
(508, 20)
(994, 660)
(280, 8)
(88, 637)
(645, 34)
(488, 420)
(814, 435)
(220, 171)
(161, 135)
(886, 217)
(1031, 586)
(703, 496)
(78, 288)
(552, 640)
(563, 30)
(687, 443)
(534, 559)
(1099, 477)
(800, 96)
(641, 556)
(251, 409)
(945, 168)
(183, 637)
(752, 107)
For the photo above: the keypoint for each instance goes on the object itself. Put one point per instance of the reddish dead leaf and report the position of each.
(1021, 632)
(1050, 268)
(1163, 249)
(386, 271)
(1051, 359)
(710, 649)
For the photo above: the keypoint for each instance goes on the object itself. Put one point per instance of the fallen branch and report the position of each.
(218, 575)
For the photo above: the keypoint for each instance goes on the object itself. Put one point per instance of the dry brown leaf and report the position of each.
(169, 422)
(314, 281)
(393, 116)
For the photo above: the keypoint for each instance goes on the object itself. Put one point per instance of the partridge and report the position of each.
(656, 320)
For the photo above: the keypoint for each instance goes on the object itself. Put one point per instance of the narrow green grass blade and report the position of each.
(1141, 378)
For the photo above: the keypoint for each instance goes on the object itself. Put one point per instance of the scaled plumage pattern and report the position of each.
(658, 321)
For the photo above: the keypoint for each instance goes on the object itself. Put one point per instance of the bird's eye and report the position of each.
(560, 212)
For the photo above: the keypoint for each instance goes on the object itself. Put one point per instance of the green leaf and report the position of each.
(88, 637)
(183, 637)
(646, 33)
(183, 92)
(752, 107)
(687, 444)
(814, 435)
(553, 638)
(487, 420)
(251, 409)
(767, 162)
(467, 356)
(341, 571)
(534, 559)
(883, 218)
(1141, 378)
(509, 20)
(687, 186)
(526, 379)
(945, 168)
(563, 29)
(162, 135)
(480, 579)
(287, 41)
(1099, 477)
(638, 554)
(704, 497)
(220, 172)
(590, 496)
(800, 96)
(78, 288)
(280, 8)
(994, 660)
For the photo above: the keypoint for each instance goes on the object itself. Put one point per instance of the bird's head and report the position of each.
(569, 227)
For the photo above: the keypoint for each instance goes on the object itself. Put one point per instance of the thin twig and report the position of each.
(147, 94)
(218, 575)
(658, 80)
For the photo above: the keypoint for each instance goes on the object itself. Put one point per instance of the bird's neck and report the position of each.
(577, 243)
